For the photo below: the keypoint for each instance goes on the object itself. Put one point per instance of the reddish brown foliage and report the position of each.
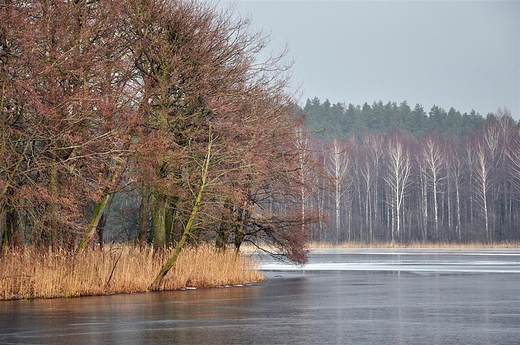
(97, 96)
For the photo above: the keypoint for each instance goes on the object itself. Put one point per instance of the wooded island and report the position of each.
(136, 132)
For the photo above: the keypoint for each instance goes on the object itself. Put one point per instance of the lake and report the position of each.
(354, 296)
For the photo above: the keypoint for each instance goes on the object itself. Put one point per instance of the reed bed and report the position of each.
(35, 273)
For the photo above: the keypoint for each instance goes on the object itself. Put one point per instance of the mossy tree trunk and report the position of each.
(159, 220)
(94, 220)
(144, 213)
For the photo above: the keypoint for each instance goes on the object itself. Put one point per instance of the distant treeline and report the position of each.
(326, 120)
(386, 173)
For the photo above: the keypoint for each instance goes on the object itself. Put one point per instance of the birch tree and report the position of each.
(433, 160)
(338, 167)
(483, 182)
(397, 178)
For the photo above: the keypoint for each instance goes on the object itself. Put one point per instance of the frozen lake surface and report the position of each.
(406, 260)
(340, 297)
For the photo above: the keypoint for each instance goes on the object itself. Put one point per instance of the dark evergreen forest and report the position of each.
(387, 172)
(326, 120)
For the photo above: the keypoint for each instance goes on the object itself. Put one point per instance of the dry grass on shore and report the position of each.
(33, 273)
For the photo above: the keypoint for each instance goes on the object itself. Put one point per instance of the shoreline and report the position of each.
(32, 273)
(411, 245)
(313, 246)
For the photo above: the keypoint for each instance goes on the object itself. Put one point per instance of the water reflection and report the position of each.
(312, 307)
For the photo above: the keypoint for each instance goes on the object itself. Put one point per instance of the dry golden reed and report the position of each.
(33, 273)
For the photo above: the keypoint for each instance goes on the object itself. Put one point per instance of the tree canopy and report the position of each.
(117, 103)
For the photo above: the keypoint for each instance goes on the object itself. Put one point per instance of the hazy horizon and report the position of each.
(460, 54)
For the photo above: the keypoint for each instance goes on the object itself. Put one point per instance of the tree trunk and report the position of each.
(144, 212)
(457, 209)
(10, 235)
(435, 207)
(159, 220)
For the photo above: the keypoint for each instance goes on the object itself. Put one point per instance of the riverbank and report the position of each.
(35, 273)
(418, 245)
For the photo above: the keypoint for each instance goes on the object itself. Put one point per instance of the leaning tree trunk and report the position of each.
(99, 208)
(158, 282)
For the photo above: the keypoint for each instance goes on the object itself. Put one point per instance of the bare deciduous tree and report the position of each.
(432, 162)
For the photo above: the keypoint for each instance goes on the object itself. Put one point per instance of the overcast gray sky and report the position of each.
(458, 53)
